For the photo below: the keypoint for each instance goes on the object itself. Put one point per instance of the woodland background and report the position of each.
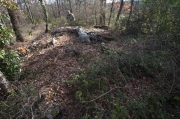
(133, 73)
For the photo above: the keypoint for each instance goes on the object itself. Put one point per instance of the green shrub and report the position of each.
(5, 33)
(119, 111)
(78, 22)
(18, 103)
(58, 22)
(117, 68)
(9, 59)
(10, 64)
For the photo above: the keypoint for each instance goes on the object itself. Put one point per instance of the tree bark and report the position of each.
(120, 9)
(15, 25)
(112, 5)
(45, 13)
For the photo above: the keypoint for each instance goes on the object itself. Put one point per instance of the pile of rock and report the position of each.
(83, 36)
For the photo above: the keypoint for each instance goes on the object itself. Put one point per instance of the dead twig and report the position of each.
(35, 106)
(110, 91)
(174, 78)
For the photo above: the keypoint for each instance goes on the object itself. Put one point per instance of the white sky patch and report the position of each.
(108, 1)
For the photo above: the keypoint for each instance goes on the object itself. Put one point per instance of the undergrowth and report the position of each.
(18, 103)
(9, 59)
(109, 88)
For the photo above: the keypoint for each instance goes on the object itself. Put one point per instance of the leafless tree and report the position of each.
(29, 12)
(120, 9)
(45, 13)
(85, 9)
(70, 6)
(53, 11)
(95, 12)
(102, 12)
(112, 5)
(59, 7)
(63, 5)
(127, 25)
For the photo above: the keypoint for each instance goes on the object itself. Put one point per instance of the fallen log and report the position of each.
(62, 30)
(85, 35)
(102, 27)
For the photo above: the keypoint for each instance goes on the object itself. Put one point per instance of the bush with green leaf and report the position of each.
(5, 33)
(10, 64)
(18, 104)
(9, 59)
(101, 87)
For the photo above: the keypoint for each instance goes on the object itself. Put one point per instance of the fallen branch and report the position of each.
(173, 81)
(110, 91)
(35, 106)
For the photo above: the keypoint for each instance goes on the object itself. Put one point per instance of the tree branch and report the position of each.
(110, 91)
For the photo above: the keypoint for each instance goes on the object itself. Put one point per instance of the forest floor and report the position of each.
(50, 69)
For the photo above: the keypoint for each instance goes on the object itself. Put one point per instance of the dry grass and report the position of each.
(29, 32)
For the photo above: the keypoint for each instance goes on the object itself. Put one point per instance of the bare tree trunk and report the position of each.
(138, 9)
(120, 9)
(139, 24)
(63, 6)
(102, 15)
(76, 5)
(95, 13)
(54, 14)
(70, 6)
(29, 12)
(58, 5)
(85, 5)
(15, 25)
(127, 25)
(79, 6)
(45, 13)
(112, 5)
(96, 17)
